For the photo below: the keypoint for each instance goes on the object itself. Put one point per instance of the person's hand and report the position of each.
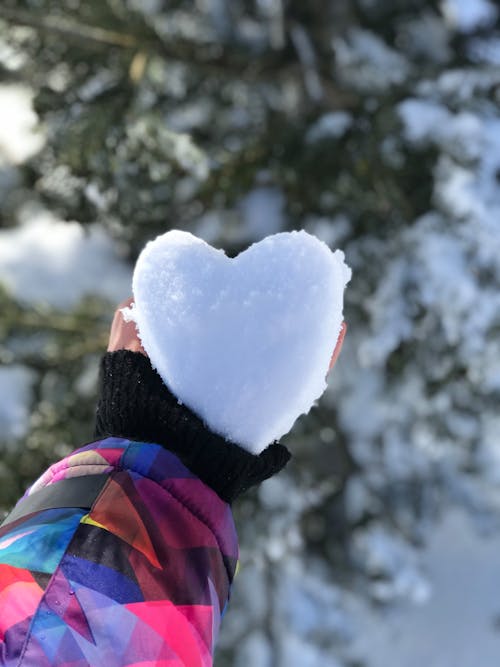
(338, 346)
(123, 334)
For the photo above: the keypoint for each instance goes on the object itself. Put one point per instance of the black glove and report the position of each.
(135, 403)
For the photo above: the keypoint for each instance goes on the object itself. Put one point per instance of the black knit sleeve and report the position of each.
(135, 403)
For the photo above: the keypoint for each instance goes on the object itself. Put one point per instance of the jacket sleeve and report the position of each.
(142, 578)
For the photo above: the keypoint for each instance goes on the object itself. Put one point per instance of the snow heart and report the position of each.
(244, 342)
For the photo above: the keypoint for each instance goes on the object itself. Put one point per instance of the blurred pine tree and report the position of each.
(236, 119)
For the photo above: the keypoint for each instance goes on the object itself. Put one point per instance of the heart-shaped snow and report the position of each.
(244, 342)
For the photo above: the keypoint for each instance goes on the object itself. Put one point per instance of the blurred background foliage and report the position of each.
(370, 123)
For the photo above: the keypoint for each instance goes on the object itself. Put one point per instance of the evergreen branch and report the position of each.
(53, 322)
(76, 351)
(236, 63)
(68, 28)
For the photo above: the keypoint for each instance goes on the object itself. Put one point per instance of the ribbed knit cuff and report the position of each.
(135, 403)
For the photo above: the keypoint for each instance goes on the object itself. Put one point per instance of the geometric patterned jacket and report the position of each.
(123, 553)
(141, 579)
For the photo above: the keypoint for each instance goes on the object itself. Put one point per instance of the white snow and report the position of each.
(306, 654)
(463, 134)
(425, 35)
(367, 62)
(12, 59)
(485, 50)
(422, 118)
(55, 262)
(19, 136)
(254, 650)
(330, 125)
(179, 146)
(307, 605)
(15, 389)
(469, 15)
(458, 625)
(385, 556)
(244, 342)
(447, 265)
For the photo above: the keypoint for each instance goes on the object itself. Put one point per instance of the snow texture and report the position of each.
(469, 15)
(458, 625)
(47, 260)
(485, 50)
(244, 342)
(367, 61)
(329, 126)
(20, 138)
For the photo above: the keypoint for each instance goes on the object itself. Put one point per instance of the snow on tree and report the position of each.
(373, 125)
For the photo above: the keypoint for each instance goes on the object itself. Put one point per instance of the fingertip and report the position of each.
(126, 303)
(338, 345)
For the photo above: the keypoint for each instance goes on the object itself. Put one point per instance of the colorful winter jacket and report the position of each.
(123, 553)
(142, 578)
